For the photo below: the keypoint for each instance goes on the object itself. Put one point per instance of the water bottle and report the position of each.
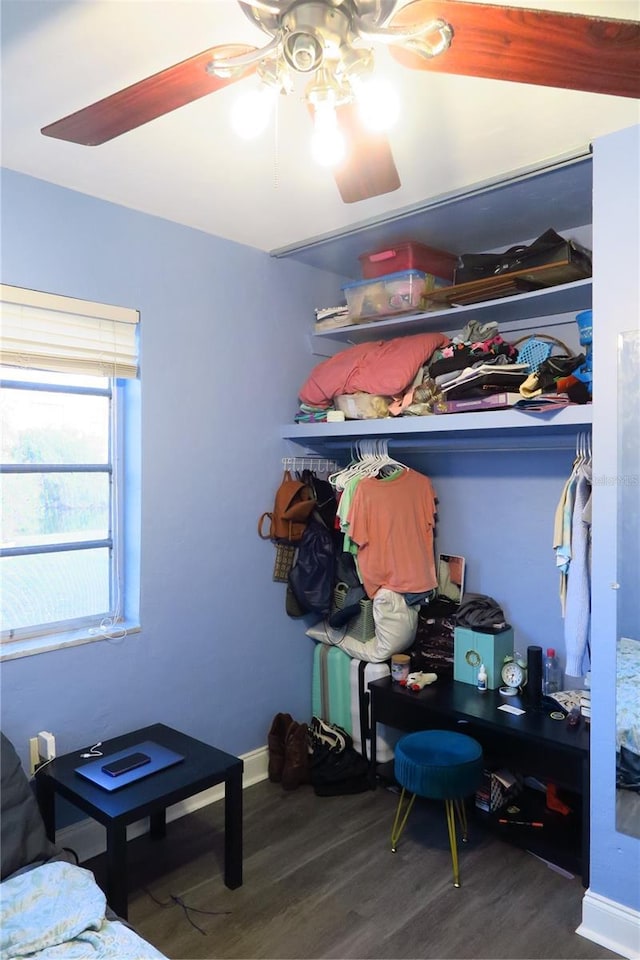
(482, 678)
(551, 678)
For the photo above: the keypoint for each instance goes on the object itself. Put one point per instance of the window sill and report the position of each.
(13, 649)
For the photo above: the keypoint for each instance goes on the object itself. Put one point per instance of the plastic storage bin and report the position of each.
(408, 256)
(388, 296)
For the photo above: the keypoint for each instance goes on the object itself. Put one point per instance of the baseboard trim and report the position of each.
(87, 837)
(611, 925)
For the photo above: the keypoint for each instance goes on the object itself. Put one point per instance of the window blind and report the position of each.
(50, 332)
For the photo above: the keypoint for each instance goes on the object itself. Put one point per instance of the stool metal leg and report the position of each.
(462, 818)
(451, 824)
(400, 819)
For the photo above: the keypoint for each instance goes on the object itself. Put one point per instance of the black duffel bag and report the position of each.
(334, 772)
(549, 248)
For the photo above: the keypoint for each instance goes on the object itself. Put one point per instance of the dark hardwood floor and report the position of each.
(320, 881)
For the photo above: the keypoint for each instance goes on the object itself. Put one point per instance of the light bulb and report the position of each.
(251, 113)
(378, 104)
(327, 143)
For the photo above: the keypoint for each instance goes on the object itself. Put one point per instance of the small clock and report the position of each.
(514, 675)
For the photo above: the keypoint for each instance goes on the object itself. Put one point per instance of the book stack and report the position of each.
(483, 794)
(585, 698)
(585, 704)
(496, 788)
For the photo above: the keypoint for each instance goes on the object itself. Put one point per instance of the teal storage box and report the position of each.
(471, 648)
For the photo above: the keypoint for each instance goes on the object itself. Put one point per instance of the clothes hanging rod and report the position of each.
(425, 450)
(345, 449)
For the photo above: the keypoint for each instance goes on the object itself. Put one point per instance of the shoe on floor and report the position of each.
(276, 745)
(297, 765)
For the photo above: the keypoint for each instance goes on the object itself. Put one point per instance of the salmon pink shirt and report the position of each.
(392, 522)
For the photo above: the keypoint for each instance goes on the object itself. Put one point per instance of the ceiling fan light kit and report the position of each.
(251, 113)
(328, 145)
(330, 42)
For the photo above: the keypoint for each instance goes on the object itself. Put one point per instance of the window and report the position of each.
(64, 501)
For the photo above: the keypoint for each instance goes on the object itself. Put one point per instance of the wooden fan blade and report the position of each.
(541, 47)
(148, 99)
(369, 169)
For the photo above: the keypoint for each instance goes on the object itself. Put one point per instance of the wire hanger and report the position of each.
(583, 452)
(370, 459)
(385, 459)
(356, 467)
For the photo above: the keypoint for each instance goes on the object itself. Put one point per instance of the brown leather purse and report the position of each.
(294, 504)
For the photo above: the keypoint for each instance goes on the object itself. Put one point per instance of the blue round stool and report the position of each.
(439, 765)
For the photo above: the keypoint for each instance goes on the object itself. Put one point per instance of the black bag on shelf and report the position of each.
(549, 248)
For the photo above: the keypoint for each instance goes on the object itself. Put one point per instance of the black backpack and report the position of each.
(312, 576)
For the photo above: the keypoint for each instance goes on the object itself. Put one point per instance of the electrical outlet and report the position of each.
(34, 756)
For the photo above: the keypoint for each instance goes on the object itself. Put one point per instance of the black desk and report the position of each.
(532, 743)
(203, 767)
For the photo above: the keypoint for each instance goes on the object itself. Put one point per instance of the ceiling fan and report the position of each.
(331, 41)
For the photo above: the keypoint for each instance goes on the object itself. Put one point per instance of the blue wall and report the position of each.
(224, 350)
(615, 857)
(496, 509)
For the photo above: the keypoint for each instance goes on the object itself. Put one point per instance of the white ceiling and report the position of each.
(61, 55)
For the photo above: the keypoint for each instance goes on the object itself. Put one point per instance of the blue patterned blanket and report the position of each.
(57, 912)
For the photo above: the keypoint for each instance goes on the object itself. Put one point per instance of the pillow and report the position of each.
(23, 839)
(384, 367)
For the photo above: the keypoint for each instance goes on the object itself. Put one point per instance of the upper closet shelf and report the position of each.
(564, 298)
(499, 429)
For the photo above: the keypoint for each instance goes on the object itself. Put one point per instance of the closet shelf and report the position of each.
(564, 298)
(482, 430)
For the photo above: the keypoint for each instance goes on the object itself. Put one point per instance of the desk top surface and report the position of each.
(462, 701)
(202, 766)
